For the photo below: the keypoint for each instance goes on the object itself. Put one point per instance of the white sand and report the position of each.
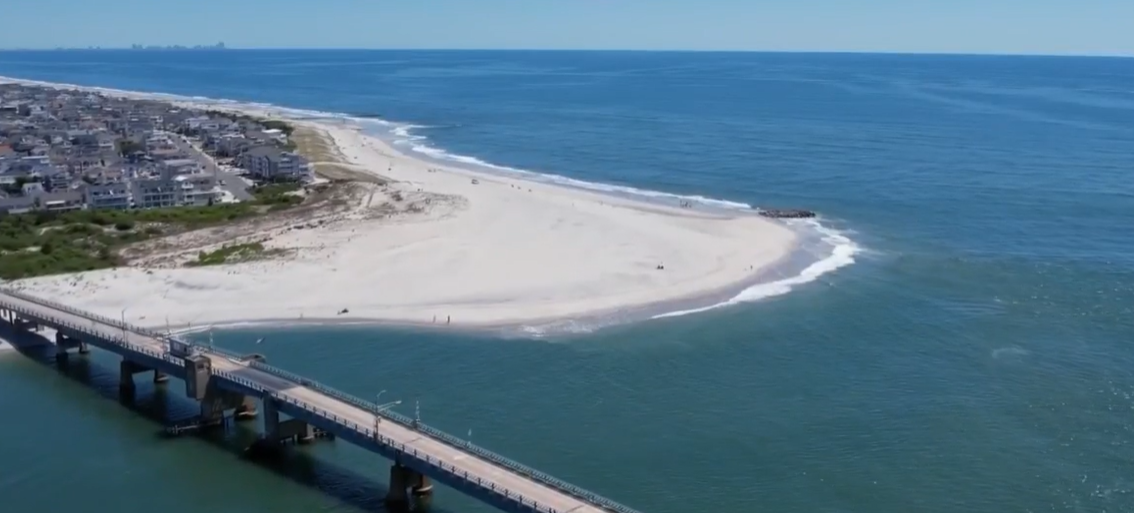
(501, 252)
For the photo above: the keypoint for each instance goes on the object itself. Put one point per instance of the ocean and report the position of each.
(960, 339)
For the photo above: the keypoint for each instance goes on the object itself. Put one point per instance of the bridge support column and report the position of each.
(126, 371)
(422, 490)
(63, 343)
(418, 485)
(25, 324)
(216, 401)
(278, 431)
(396, 497)
(247, 409)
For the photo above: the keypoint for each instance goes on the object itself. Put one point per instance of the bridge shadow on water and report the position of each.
(167, 408)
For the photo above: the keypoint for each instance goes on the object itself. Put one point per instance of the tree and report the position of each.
(129, 146)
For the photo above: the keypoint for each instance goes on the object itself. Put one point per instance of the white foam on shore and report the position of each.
(842, 248)
(404, 136)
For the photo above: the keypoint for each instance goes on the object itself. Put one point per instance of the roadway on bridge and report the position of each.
(488, 472)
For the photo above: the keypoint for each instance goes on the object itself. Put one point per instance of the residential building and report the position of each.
(64, 201)
(115, 195)
(270, 163)
(17, 204)
(197, 190)
(155, 193)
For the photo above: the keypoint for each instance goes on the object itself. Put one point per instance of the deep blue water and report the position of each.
(976, 357)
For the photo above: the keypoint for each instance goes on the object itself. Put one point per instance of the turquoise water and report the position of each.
(975, 357)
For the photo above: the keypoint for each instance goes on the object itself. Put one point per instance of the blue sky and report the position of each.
(1103, 27)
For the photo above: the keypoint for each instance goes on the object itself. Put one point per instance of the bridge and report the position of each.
(297, 409)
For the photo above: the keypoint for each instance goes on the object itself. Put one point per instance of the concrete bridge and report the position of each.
(296, 409)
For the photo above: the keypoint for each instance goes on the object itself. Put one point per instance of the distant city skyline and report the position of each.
(1096, 27)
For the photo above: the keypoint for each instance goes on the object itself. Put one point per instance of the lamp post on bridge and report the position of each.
(123, 324)
(379, 409)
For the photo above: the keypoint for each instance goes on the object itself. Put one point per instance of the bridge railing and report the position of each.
(116, 340)
(454, 441)
(116, 323)
(398, 446)
(368, 406)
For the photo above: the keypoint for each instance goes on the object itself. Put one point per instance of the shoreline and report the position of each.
(538, 328)
(737, 245)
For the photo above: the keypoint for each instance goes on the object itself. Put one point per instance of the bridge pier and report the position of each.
(277, 432)
(216, 401)
(396, 495)
(24, 324)
(418, 485)
(126, 371)
(63, 343)
(422, 490)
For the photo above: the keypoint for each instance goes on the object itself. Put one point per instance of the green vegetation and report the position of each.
(18, 186)
(326, 158)
(128, 146)
(277, 193)
(230, 254)
(41, 243)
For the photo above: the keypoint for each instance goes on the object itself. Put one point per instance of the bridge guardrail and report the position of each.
(370, 407)
(464, 445)
(116, 340)
(450, 439)
(369, 433)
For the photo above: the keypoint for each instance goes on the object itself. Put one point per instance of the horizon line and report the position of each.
(182, 48)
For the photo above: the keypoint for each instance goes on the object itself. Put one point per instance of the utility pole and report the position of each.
(378, 414)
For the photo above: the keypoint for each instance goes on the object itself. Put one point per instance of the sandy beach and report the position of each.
(500, 251)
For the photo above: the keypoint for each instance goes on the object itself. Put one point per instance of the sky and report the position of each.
(1082, 27)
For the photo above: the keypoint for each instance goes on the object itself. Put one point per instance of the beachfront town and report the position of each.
(67, 150)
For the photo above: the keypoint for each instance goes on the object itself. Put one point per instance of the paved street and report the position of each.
(233, 183)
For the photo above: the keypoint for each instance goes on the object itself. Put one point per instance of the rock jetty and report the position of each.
(786, 213)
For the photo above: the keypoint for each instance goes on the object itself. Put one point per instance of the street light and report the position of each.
(381, 408)
(123, 324)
